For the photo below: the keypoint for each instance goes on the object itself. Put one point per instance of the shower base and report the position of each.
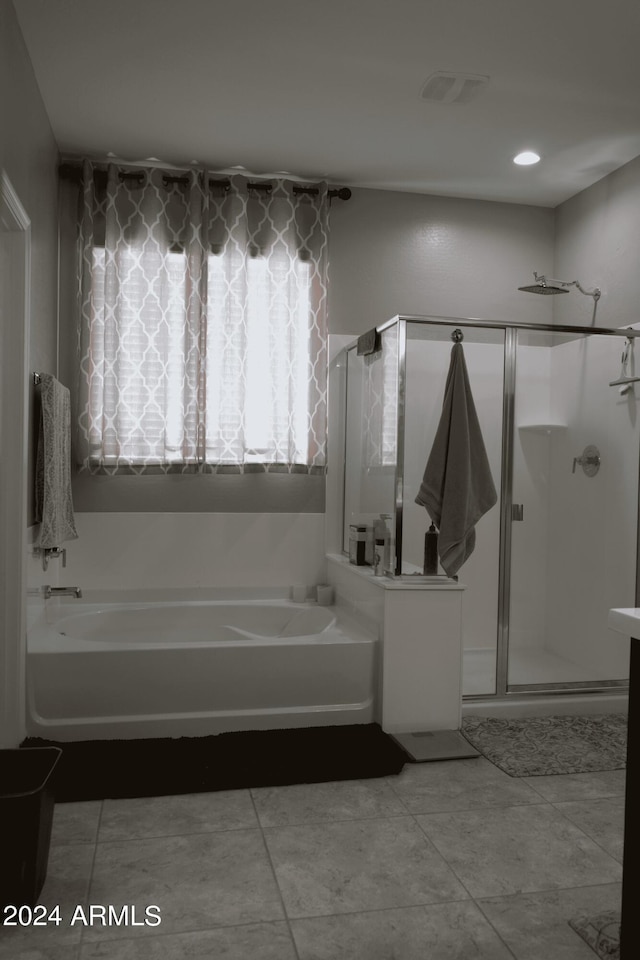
(530, 665)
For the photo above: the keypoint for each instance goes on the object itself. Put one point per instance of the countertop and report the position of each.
(625, 620)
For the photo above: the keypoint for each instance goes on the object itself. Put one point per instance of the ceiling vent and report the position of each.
(444, 87)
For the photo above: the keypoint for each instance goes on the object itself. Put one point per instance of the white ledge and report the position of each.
(388, 582)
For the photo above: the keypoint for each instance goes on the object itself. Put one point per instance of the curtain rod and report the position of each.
(73, 172)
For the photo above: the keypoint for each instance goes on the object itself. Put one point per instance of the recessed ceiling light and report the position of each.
(526, 158)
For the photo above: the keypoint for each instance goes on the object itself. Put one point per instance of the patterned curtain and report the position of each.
(202, 333)
(380, 407)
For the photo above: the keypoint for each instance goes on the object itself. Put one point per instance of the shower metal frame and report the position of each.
(502, 688)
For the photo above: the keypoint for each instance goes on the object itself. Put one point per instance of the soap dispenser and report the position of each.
(430, 568)
(381, 540)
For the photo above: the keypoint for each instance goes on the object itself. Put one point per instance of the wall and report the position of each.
(597, 239)
(125, 551)
(28, 160)
(389, 253)
(28, 154)
(396, 253)
(252, 492)
(409, 254)
(591, 562)
(597, 242)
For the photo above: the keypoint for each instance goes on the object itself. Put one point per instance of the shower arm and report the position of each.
(595, 293)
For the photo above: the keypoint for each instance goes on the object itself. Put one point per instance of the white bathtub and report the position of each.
(185, 668)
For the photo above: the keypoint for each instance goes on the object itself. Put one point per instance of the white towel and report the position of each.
(457, 487)
(54, 506)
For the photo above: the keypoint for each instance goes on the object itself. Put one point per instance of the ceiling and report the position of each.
(331, 89)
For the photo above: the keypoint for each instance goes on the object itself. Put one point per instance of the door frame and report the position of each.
(15, 237)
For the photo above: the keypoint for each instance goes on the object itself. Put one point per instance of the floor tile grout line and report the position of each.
(477, 807)
(585, 800)
(328, 820)
(535, 893)
(587, 834)
(395, 906)
(443, 858)
(484, 809)
(275, 880)
(479, 903)
(253, 826)
(495, 930)
(144, 938)
(183, 833)
(90, 881)
(547, 804)
(93, 864)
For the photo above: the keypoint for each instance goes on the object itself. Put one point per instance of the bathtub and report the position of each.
(192, 668)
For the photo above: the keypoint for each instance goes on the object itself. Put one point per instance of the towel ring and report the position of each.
(457, 336)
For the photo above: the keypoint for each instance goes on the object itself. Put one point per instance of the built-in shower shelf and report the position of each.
(542, 427)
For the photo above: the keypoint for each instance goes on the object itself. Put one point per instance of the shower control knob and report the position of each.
(589, 461)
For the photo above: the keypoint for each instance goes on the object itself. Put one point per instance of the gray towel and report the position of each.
(54, 507)
(370, 342)
(457, 487)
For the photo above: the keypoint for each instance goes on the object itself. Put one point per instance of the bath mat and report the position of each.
(541, 746)
(602, 933)
(100, 769)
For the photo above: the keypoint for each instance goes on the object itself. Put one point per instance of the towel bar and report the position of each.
(36, 379)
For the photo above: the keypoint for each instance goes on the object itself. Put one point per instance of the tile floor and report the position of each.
(447, 861)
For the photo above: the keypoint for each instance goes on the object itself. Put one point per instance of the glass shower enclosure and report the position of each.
(559, 549)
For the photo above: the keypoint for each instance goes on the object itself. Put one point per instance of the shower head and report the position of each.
(549, 287)
(543, 287)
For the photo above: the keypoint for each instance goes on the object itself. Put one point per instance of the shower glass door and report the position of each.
(371, 437)
(428, 352)
(573, 514)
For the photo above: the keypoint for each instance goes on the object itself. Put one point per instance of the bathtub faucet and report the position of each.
(50, 592)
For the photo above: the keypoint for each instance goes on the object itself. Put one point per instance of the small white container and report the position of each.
(299, 592)
(324, 594)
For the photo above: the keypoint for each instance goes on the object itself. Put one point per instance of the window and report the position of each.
(202, 333)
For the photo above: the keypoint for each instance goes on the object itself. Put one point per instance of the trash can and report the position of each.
(26, 815)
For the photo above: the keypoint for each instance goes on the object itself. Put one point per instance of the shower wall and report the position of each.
(597, 237)
(578, 531)
(593, 564)
(531, 458)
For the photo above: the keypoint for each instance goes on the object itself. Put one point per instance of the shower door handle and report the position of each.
(517, 511)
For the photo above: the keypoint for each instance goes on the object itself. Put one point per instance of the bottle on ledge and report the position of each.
(430, 568)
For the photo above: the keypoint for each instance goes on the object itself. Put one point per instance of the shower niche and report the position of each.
(559, 549)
